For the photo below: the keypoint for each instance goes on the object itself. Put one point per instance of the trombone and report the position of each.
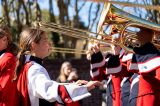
(76, 51)
(127, 37)
(82, 34)
(68, 50)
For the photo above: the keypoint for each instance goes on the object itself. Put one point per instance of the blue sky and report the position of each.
(0, 9)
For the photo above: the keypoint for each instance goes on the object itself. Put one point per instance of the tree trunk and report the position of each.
(5, 11)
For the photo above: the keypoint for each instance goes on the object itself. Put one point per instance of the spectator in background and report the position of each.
(73, 76)
(68, 74)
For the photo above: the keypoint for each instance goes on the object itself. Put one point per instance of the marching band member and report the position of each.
(118, 89)
(33, 82)
(98, 72)
(7, 67)
(144, 62)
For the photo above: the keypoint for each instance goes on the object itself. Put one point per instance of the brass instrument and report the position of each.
(122, 20)
(113, 15)
(110, 16)
(78, 33)
(75, 51)
(67, 50)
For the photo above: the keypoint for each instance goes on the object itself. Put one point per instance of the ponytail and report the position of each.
(20, 63)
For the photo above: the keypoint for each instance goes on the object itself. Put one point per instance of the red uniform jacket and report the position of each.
(146, 63)
(7, 85)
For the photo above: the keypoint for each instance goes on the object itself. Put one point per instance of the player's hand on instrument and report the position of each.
(92, 84)
(116, 49)
(92, 48)
(81, 82)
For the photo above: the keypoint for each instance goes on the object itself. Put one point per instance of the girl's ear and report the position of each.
(33, 45)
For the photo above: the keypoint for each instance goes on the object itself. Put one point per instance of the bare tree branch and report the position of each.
(29, 9)
(37, 11)
(6, 11)
(89, 16)
(51, 12)
(96, 16)
(26, 12)
(81, 6)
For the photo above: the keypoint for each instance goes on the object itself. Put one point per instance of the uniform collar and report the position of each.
(3, 51)
(147, 48)
(37, 60)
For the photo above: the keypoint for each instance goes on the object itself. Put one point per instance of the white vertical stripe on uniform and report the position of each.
(134, 81)
(94, 74)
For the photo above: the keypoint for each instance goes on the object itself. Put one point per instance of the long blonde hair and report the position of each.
(62, 77)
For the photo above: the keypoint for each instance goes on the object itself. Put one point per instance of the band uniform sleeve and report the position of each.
(97, 66)
(113, 65)
(41, 86)
(72, 92)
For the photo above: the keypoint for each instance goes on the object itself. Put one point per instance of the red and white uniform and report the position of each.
(39, 86)
(7, 85)
(144, 62)
(120, 84)
(98, 72)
